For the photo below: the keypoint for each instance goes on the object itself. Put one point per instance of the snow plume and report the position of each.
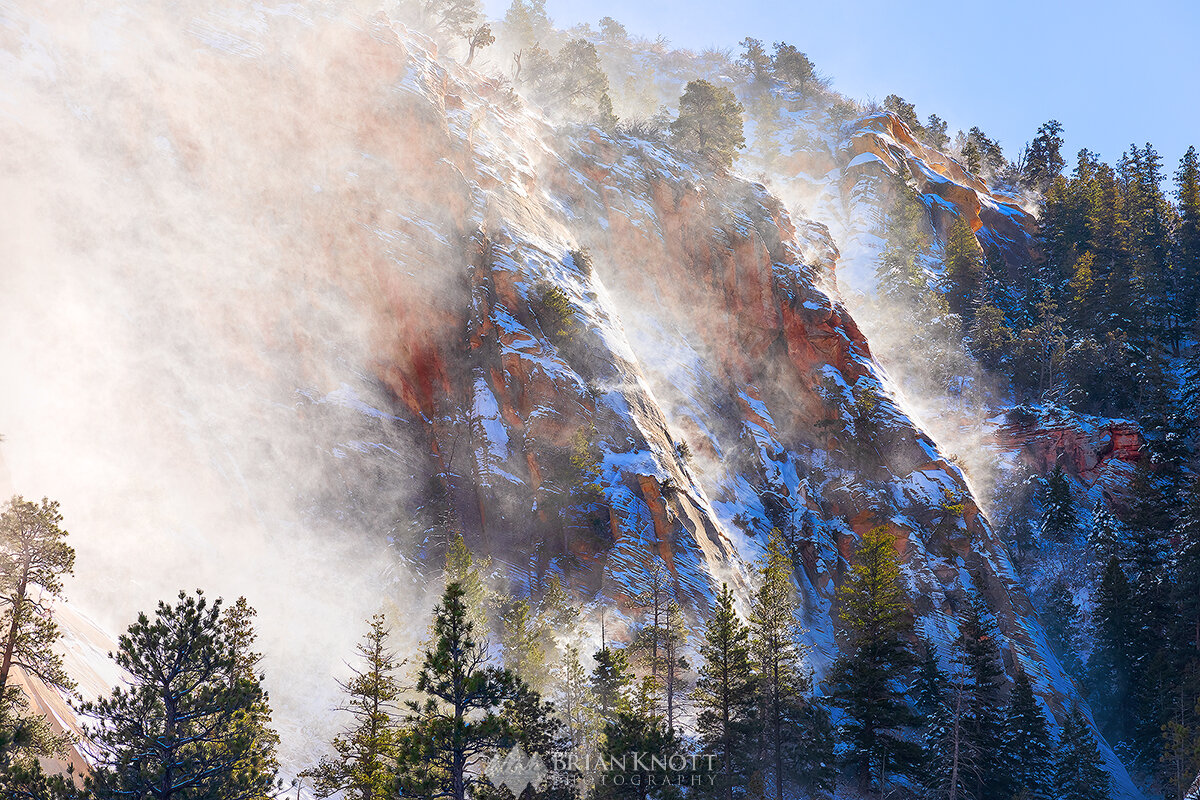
(198, 230)
(936, 380)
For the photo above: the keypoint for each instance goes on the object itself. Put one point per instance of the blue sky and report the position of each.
(1112, 73)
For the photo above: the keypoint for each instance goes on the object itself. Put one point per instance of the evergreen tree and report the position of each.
(1105, 538)
(521, 638)
(979, 656)
(1187, 584)
(1082, 290)
(989, 336)
(726, 696)
(610, 684)
(535, 727)
(791, 731)
(1027, 747)
(640, 728)
(905, 111)
(1058, 509)
(261, 756)
(1044, 160)
(709, 123)
(479, 37)
(1078, 774)
(899, 274)
(946, 760)
(792, 68)
(963, 267)
(1112, 661)
(867, 677)
(526, 23)
(460, 568)
(649, 645)
(1151, 615)
(575, 699)
(459, 721)
(364, 766)
(673, 639)
(1181, 749)
(178, 728)
(755, 62)
(935, 133)
(571, 81)
(1061, 616)
(34, 558)
(1187, 236)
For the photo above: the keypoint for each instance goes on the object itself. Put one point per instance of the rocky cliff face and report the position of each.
(844, 173)
(641, 363)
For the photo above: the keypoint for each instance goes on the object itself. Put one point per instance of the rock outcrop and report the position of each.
(1100, 452)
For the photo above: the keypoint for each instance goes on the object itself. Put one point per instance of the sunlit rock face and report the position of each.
(617, 294)
(582, 351)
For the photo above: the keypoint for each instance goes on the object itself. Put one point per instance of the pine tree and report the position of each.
(792, 68)
(575, 699)
(905, 111)
(177, 729)
(34, 558)
(1112, 661)
(1105, 538)
(1082, 290)
(1044, 161)
(261, 757)
(673, 640)
(535, 726)
(521, 638)
(1151, 613)
(1058, 509)
(867, 677)
(755, 62)
(526, 23)
(460, 568)
(479, 37)
(1181, 749)
(979, 656)
(1187, 584)
(1078, 774)
(790, 722)
(899, 274)
(459, 721)
(610, 684)
(1026, 756)
(648, 643)
(364, 766)
(725, 696)
(935, 133)
(989, 336)
(963, 268)
(1187, 235)
(709, 123)
(640, 728)
(946, 760)
(1061, 616)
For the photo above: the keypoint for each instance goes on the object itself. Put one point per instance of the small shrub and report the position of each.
(560, 314)
(582, 259)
